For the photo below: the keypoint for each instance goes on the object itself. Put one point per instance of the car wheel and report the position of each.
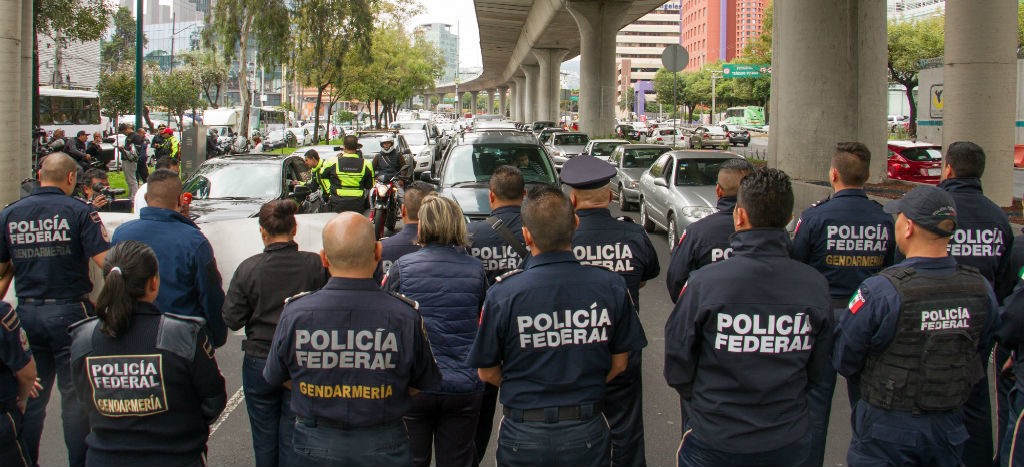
(673, 235)
(644, 220)
(623, 204)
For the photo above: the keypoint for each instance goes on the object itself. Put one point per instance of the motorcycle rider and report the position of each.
(389, 162)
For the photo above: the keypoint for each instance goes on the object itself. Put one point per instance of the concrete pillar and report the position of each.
(532, 94)
(520, 98)
(11, 103)
(473, 99)
(550, 62)
(458, 104)
(599, 22)
(846, 48)
(502, 101)
(980, 80)
(490, 100)
(24, 144)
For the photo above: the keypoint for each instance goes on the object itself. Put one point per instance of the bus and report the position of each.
(749, 116)
(70, 110)
(266, 119)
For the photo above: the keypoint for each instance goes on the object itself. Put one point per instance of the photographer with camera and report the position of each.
(95, 190)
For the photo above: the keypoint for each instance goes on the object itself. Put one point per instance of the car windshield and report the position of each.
(697, 172)
(604, 149)
(409, 125)
(921, 154)
(415, 139)
(276, 135)
(572, 140)
(371, 145)
(641, 158)
(545, 137)
(235, 179)
(474, 164)
(716, 130)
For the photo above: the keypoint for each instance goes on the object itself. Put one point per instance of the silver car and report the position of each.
(564, 145)
(631, 161)
(602, 148)
(679, 189)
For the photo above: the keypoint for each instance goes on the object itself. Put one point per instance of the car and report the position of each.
(679, 189)
(631, 161)
(303, 136)
(895, 122)
(539, 125)
(565, 145)
(371, 146)
(466, 169)
(235, 187)
(627, 131)
(709, 136)
(494, 125)
(544, 135)
(602, 148)
(914, 162)
(664, 136)
(280, 139)
(421, 148)
(737, 135)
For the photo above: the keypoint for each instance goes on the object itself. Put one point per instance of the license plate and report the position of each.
(934, 172)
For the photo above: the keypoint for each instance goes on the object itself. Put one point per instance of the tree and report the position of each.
(760, 49)
(1020, 25)
(909, 43)
(117, 91)
(664, 89)
(176, 91)
(237, 24)
(120, 48)
(210, 72)
(627, 100)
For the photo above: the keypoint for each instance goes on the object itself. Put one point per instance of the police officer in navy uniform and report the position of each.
(743, 357)
(353, 356)
(17, 384)
(707, 240)
(403, 242)
(551, 337)
(147, 377)
(983, 239)
(847, 238)
(913, 336)
(48, 240)
(1007, 361)
(623, 248)
(496, 242)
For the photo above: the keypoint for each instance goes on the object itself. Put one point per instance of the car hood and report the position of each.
(473, 201)
(569, 148)
(633, 173)
(699, 195)
(210, 210)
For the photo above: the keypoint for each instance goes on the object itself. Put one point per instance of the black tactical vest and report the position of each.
(932, 363)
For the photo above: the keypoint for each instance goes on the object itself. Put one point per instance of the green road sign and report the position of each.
(574, 98)
(735, 70)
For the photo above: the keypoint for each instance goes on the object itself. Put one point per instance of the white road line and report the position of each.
(236, 399)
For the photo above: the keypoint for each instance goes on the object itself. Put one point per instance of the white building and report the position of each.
(441, 36)
(76, 66)
(639, 45)
(911, 10)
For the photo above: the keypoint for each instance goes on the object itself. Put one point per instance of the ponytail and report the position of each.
(128, 267)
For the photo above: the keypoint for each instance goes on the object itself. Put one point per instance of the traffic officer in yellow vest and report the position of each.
(349, 177)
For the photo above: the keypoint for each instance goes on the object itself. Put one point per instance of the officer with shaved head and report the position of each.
(353, 355)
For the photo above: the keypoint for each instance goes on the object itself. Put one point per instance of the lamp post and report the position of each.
(174, 32)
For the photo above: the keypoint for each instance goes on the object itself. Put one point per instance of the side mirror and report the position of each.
(428, 177)
(661, 182)
(406, 152)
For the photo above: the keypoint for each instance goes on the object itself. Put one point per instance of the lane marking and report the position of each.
(236, 399)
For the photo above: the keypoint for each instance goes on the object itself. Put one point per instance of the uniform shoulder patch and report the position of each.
(626, 219)
(820, 202)
(296, 297)
(10, 320)
(507, 275)
(408, 301)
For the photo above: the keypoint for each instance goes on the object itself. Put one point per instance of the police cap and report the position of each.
(927, 206)
(587, 172)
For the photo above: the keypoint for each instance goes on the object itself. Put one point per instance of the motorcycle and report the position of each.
(384, 205)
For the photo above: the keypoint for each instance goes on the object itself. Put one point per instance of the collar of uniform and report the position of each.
(726, 204)
(945, 262)
(604, 212)
(409, 230)
(344, 283)
(504, 209)
(164, 215)
(961, 184)
(549, 258)
(146, 308)
(857, 192)
(281, 246)
(48, 190)
(760, 242)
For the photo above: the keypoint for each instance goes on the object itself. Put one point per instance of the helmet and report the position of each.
(387, 138)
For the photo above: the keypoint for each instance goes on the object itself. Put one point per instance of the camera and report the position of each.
(110, 193)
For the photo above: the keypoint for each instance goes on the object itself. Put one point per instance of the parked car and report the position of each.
(303, 136)
(628, 131)
(709, 136)
(539, 125)
(602, 148)
(280, 139)
(737, 135)
(914, 162)
(565, 145)
(235, 187)
(545, 135)
(631, 161)
(679, 189)
(665, 136)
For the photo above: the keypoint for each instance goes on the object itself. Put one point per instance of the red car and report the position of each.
(915, 162)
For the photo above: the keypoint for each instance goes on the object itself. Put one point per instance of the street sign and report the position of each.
(674, 58)
(736, 70)
(574, 98)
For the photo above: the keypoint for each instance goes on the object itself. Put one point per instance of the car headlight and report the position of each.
(560, 153)
(632, 184)
(697, 212)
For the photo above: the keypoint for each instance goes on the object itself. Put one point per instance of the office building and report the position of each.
(441, 36)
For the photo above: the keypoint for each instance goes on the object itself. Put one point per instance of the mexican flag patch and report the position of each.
(856, 302)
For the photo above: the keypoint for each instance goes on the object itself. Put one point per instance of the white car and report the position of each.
(303, 136)
(422, 150)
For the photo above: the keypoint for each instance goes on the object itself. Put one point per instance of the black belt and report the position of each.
(320, 422)
(554, 414)
(51, 301)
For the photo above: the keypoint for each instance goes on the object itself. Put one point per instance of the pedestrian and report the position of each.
(94, 147)
(983, 239)
(1009, 365)
(164, 163)
(620, 246)
(160, 149)
(353, 356)
(449, 286)
(75, 147)
(405, 241)
(254, 301)
(171, 143)
(190, 284)
(847, 238)
(94, 183)
(257, 143)
(142, 149)
(913, 337)
(349, 177)
(707, 240)
(553, 383)
(745, 389)
(147, 376)
(497, 242)
(17, 385)
(48, 239)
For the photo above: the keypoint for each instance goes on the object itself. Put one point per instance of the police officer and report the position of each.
(498, 243)
(353, 356)
(48, 239)
(404, 242)
(349, 176)
(707, 240)
(743, 357)
(551, 337)
(1011, 379)
(983, 240)
(913, 336)
(149, 379)
(622, 247)
(847, 238)
(17, 384)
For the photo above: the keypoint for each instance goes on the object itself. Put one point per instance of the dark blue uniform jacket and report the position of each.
(745, 356)
(14, 355)
(619, 246)
(983, 237)
(702, 243)
(394, 247)
(487, 246)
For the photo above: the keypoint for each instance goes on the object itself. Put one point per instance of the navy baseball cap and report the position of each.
(927, 206)
(586, 172)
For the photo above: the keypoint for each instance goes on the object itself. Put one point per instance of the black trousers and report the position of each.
(624, 409)
(446, 423)
(347, 203)
(485, 424)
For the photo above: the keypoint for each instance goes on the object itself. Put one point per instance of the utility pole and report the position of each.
(172, 36)
(56, 80)
(138, 63)
(715, 75)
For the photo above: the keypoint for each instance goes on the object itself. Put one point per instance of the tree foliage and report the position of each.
(117, 91)
(210, 72)
(909, 43)
(71, 20)
(176, 91)
(120, 48)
